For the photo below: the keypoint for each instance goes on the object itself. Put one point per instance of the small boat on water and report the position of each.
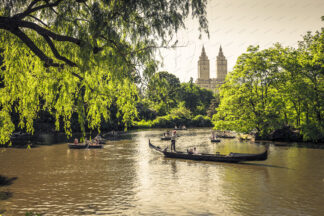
(180, 128)
(166, 138)
(231, 158)
(215, 140)
(85, 146)
(226, 136)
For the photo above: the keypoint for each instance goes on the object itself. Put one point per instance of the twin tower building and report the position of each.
(204, 79)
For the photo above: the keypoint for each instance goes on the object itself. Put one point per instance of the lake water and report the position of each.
(129, 178)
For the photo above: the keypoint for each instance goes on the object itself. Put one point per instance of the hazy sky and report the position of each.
(236, 24)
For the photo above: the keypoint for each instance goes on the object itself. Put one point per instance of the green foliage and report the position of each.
(196, 99)
(83, 57)
(144, 110)
(201, 121)
(181, 111)
(177, 117)
(175, 103)
(214, 103)
(162, 90)
(274, 88)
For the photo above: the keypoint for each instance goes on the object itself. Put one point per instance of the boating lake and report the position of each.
(126, 177)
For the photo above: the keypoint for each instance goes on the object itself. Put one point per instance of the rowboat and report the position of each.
(230, 158)
(180, 128)
(166, 138)
(215, 140)
(95, 146)
(77, 146)
(85, 146)
(225, 136)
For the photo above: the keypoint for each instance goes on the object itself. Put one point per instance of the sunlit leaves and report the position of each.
(117, 42)
(274, 88)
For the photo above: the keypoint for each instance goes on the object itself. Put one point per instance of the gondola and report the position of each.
(166, 138)
(215, 140)
(180, 128)
(85, 146)
(231, 158)
(77, 146)
(226, 136)
(102, 141)
(95, 146)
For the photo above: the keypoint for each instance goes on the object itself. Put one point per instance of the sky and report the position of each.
(236, 24)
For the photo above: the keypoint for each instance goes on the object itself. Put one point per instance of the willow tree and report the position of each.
(81, 56)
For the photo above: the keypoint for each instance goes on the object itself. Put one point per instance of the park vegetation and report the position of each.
(82, 59)
(168, 103)
(90, 65)
(275, 88)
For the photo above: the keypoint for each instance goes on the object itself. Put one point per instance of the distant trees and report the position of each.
(196, 99)
(274, 88)
(165, 92)
(162, 91)
(174, 103)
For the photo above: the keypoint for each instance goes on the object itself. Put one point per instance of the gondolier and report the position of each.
(173, 140)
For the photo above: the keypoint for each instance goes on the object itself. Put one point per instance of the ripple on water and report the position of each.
(128, 178)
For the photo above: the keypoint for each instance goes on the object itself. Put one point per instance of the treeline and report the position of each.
(275, 88)
(166, 102)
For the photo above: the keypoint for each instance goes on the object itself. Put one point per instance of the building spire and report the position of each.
(203, 53)
(220, 53)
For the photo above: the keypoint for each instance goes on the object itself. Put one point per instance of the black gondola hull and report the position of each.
(78, 146)
(231, 158)
(215, 140)
(84, 146)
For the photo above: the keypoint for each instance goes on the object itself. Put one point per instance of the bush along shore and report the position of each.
(170, 121)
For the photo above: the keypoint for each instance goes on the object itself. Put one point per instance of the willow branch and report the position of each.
(38, 20)
(48, 61)
(49, 33)
(30, 10)
(55, 52)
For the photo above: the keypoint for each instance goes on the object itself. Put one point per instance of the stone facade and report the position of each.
(204, 79)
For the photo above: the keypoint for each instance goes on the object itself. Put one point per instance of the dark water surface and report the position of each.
(129, 178)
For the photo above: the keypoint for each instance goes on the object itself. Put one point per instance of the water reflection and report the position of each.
(127, 178)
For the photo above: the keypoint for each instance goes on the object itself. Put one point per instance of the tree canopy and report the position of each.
(274, 88)
(162, 91)
(82, 56)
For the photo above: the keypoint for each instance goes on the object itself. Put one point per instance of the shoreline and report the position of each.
(46, 138)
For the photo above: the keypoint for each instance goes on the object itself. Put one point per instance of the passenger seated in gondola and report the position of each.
(175, 127)
(76, 141)
(86, 141)
(183, 127)
(98, 137)
(95, 141)
(190, 151)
